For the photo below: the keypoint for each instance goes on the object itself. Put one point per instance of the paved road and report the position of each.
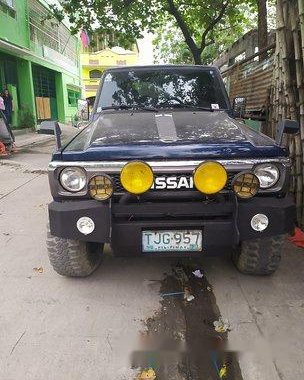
(68, 329)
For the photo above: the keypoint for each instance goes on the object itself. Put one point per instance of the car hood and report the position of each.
(121, 135)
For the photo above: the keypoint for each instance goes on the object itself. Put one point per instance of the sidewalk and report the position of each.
(30, 139)
(34, 150)
(27, 138)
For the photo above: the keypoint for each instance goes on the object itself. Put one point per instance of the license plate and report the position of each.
(172, 241)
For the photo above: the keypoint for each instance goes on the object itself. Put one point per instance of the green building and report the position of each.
(39, 61)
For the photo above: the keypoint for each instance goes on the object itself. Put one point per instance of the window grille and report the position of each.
(44, 82)
(50, 32)
(9, 3)
(8, 7)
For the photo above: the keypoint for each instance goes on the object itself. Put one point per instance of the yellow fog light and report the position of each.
(136, 177)
(101, 187)
(245, 185)
(210, 177)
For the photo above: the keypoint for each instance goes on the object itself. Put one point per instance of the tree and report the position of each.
(170, 46)
(196, 19)
(262, 26)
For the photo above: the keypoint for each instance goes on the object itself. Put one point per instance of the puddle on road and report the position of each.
(180, 342)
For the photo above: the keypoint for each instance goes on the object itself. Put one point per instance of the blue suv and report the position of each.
(163, 168)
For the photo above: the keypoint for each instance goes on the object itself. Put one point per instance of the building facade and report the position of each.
(39, 62)
(93, 64)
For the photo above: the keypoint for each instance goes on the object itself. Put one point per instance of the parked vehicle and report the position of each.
(164, 169)
(6, 141)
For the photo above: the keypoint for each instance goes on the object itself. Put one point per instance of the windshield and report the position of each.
(162, 88)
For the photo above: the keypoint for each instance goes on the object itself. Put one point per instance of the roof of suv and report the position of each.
(166, 67)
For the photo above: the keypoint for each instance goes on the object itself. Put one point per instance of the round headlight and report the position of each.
(245, 185)
(101, 187)
(73, 179)
(210, 177)
(268, 175)
(136, 177)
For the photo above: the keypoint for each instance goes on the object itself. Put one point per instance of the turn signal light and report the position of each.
(136, 177)
(210, 177)
(245, 185)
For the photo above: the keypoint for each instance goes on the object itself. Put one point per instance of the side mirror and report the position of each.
(51, 128)
(239, 106)
(290, 127)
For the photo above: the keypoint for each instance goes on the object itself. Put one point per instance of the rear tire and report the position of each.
(259, 256)
(73, 258)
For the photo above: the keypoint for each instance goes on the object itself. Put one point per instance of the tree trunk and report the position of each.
(197, 56)
(262, 27)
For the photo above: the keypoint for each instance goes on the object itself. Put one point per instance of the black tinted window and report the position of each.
(159, 88)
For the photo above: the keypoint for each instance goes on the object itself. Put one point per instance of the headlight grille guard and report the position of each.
(113, 168)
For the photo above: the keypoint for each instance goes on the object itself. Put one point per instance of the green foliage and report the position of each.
(26, 118)
(170, 46)
(197, 20)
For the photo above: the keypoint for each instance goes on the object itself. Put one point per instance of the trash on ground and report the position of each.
(187, 295)
(147, 374)
(223, 371)
(298, 238)
(221, 326)
(197, 273)
(209, 288)
(38, 270)
(172, 294)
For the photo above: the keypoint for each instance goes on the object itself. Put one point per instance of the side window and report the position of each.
(73, 97)
(95, 74)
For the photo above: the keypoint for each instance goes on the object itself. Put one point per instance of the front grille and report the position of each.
(118, 188)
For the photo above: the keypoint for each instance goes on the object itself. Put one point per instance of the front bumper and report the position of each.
(225, 222)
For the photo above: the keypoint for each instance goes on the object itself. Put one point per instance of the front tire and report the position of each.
(73, 258)
(259, 256)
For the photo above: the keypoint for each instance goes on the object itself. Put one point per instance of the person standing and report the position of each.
(6, 108)
(3, 151)
(8, 103)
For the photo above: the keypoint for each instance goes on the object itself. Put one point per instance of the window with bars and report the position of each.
(44, 83)
(73, 97)
(9, 3)
(48, 32)
(8, 7)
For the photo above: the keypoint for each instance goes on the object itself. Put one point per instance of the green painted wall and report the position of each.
(65, 111)
(68, 82)
(15, 30)
(60, 97)
(25, 86)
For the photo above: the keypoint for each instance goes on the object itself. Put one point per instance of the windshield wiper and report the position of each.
(134, 107)
(185, 105)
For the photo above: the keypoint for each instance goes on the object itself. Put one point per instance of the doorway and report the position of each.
(45, 93)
